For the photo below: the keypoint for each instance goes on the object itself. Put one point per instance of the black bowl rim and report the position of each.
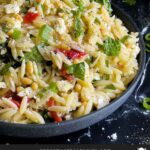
(92, 114)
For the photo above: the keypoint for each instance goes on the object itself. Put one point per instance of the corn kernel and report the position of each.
(78, 87)
(18, 17)
(10, 32)
(76, 61)
(19, 89)
(34, 86)
(26, 81)
(29, 67)
(84, 103)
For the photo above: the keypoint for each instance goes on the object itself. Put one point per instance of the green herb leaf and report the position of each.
(130, 2)
(146, 103)
(111, 87)
(79, 3)
(126, 37)
(107, 63)
(34, 55)
(78, 28)
(44, 33)
(52, 86)
(16, 34)
(111, 47)
(5, 69)
(78, 70)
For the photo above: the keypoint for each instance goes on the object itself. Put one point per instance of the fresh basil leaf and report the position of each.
(44, 32)
(34, 55)
(52, 86)
(78, 29)
(78, 70)
(111, 47)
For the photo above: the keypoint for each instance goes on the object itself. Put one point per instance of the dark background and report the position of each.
(131, 123)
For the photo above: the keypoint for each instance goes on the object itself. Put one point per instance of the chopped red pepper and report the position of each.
(56, 117)
(63, 72)
(54, 114)
(15, 98)
(72, 54)
(16, 103)
(30, 17)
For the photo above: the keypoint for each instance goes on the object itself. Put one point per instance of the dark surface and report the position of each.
(131, 123)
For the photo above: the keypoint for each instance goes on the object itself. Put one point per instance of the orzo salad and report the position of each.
(62, 59)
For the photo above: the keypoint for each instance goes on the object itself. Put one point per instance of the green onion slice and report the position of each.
(146, 103)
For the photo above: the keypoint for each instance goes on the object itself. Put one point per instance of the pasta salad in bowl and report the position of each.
(62, 59)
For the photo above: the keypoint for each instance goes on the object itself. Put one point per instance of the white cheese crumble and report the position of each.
(60, 26)
(26, 92)
(64, 86)
(12, 8)
(2, 85)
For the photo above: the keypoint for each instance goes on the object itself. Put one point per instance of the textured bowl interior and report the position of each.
(53, 129)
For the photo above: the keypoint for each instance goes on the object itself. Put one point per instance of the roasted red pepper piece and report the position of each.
(16, 103)
(54, 114)
(30, 17)
(63, 72)
(72, 54)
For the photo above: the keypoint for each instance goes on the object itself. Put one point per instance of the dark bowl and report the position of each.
(54, 129)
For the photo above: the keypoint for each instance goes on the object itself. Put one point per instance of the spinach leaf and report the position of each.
(34, 55)
(111, 47)
(78, 70)
(78, 28)
(52, 86)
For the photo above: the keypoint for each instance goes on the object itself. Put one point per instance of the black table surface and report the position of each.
(130, 124)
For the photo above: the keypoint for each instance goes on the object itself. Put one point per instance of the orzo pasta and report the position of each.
(62, 59)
